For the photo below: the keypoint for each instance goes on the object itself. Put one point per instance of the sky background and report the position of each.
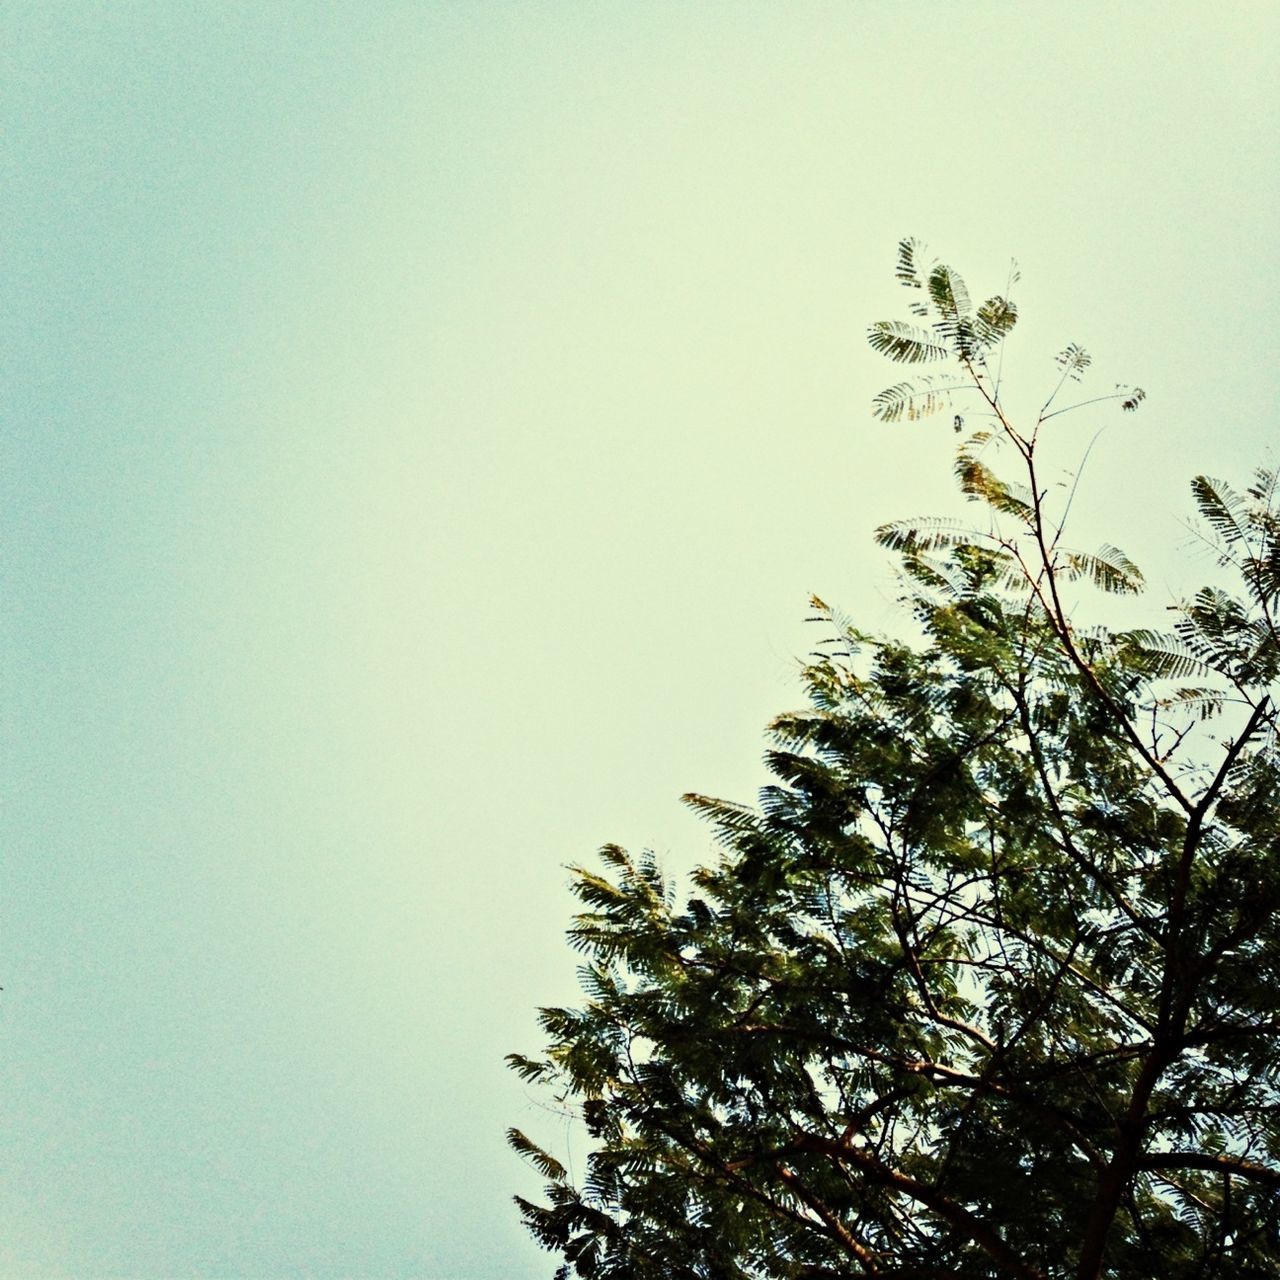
(423, 425)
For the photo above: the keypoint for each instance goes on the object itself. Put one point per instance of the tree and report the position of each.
(986, 986)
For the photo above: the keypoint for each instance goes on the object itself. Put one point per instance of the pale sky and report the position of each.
(424, 425)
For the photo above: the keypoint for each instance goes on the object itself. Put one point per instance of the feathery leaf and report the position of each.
(1075, 360)
(913, 400)
(905, 343)
(1108, 567)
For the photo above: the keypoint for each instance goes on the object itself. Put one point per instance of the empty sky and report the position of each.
(423, 426)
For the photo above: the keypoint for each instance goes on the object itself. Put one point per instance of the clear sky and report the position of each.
(423, 426)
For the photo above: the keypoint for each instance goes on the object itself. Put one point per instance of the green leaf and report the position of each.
(547, 1165)
(908, 272)
(1224, 509)
(1075, 360)
(1161, 655)
(913, 400)
(995, 319)
(1108, 567)
(926, 533)
(978, 481)
(949, 294)
(1204, 701)
(905, 343)
(528, 1069)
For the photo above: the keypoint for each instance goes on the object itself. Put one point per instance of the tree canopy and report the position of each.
(986, 984)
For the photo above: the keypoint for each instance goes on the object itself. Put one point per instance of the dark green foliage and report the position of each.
(987, 984)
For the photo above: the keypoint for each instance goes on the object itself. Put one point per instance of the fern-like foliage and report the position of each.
(978, 482)
(1247, 530)
(955, 332)
(985, 983)
(1074, 360)
(1239, 635)
(905, 343)
(910, 401)
(1108, 568)
(1160, 655)
(909, 272)
(950, 296)
(925, 533)
(545, 1164)
(995, 320)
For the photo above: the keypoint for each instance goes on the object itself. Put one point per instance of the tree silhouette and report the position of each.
(986, 985)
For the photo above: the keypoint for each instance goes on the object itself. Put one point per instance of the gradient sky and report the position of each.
(423, 426)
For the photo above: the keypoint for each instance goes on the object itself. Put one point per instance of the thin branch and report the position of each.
(1235, 1166)
(952, 1213)
(1115, 395)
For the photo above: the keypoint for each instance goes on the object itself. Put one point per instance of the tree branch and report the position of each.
(955, 1215)
(1235, 1165)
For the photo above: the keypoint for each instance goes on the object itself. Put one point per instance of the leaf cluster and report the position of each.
(984, 985)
